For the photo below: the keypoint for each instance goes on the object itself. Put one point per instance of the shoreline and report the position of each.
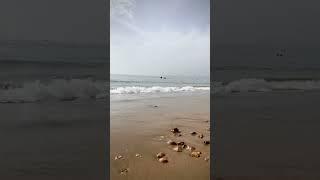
(143, 127)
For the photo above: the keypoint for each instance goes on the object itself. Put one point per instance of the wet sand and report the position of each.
(139, 127)
(271, 135)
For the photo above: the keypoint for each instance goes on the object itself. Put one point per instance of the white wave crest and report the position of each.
(59, 89)
(261, 85)
(155, 89)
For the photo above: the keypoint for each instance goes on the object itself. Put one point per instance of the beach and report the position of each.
(267, 135)
(141, 126)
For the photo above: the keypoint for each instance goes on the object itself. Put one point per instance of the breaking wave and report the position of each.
(57, 89)
(68, 90)
(262, 85)
(155, 89)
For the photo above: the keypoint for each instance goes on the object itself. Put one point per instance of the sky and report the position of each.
(167, 37)
(80, 21)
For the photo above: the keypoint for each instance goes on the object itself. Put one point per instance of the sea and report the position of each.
(28, 81)
(40, 71)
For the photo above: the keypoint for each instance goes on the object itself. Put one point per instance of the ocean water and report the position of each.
(230, 80)
(146, 85)
(31, 82)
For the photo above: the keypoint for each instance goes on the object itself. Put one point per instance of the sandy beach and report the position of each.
(142, 126)
(272, 135)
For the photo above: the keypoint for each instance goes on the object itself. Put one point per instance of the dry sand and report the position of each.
(139, 127)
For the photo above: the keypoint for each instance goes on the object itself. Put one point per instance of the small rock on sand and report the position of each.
(170, 142)
(138, 155)
(124, 171)
(193, 133)
(175, 130)
(163, 160)
(160, 155)
(195, 154)
(177, 149)
(181, 143)
(118, 157)
(206, 142)
(190, 148)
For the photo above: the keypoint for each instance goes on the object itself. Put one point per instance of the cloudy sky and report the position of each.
(152, 37)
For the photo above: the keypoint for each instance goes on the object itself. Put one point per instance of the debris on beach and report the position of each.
(190, 148)
(181, 143)
(160, 155)
(124, 171)
(177, 148)
(206, 142)
(163, 160)
(175, 130)
(195, 154)
(161, 138)
(200, 136)
(207, 158)
(138, 155)
(170, 142)
(193, 133)
(118, 157)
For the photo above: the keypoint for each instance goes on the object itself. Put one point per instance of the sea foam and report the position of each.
(261, 85)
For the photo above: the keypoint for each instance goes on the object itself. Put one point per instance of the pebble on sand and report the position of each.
(195, 154)
(177, 149)
(206, 142)
(175, 130)
(138, 155)
(193, 133)
(163, 160)
(170, 142)
(160, 155)
(207, 158)
(124, 171)
(118, 157)
(190, 148)
(181, 143)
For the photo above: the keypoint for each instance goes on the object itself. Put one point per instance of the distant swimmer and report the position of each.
(164, 78)
(160, 77)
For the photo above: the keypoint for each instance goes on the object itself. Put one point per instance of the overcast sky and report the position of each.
(152, 37)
